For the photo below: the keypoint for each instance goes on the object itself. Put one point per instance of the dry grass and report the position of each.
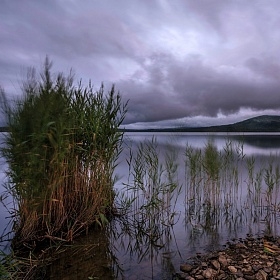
(61, 149)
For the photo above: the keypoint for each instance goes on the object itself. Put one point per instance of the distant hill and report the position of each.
(265, 123)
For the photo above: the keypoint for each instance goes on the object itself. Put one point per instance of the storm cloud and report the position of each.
(170, 59)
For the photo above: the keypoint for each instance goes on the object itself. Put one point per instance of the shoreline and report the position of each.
(244, 259)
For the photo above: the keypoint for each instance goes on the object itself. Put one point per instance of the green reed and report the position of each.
(272, 180)
(203, 174)
(214, 185)
(193, 173)
(61, 149)
(222, 188)
(151, 194)
(230, 157)
(211, 161)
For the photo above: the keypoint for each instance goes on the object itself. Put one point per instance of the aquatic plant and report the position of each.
(61, 149)
(272, 179)
(151, 194)
(220, 197)
(211, 161)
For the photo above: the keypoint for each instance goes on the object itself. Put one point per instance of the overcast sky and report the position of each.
(177, 61)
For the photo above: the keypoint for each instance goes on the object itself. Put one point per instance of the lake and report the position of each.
(184, 194)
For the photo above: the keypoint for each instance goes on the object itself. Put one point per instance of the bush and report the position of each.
(61, 149)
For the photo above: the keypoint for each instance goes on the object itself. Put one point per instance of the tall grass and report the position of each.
(61, 149)
(225, 191)
(214, 183)
(150, 198)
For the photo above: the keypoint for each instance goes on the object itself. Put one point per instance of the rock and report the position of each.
(204, 264)
(264, 257)
(223, 261)
(268, 270)
(256, 268)
(216, 264)
(182, 275)
(249, 277)
(269, 264)
(239, 274)
(240, 246)
(186, 267)
(232, 269)
(222, 275)
(245, 260)
(261, 275)
(209, 273)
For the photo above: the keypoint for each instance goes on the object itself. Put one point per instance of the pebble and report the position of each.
(186, 267)
(246, 260)
(232, 269)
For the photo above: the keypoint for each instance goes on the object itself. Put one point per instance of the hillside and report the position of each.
(265, 123)
(258, 124)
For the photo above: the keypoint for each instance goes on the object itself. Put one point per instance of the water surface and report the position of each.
(240, 205)
(200, 229)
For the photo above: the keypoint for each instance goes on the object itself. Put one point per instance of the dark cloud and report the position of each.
(190, 87)
(171, 59)
(266, 67)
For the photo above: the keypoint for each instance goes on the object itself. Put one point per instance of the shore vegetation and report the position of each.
(61, 150)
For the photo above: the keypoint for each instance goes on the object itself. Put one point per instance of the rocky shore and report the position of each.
(243, 259)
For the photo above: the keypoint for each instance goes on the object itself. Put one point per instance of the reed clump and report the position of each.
(61, 150)
(150, 197)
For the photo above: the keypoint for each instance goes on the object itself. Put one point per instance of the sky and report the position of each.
(179, 62)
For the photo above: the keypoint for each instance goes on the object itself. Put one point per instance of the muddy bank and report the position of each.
(250, 258)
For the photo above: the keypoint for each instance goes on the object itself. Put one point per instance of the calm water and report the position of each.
(240, 207)
(193, 232)
(4, 211)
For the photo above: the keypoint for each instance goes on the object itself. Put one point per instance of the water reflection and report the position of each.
(253, 142)
(181, 196)
(6, 204)
(89, 257)
(240, 199)
(263, 141)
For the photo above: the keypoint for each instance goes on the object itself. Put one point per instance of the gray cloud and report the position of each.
(190, 87)
(171, 59)
(266, 67)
